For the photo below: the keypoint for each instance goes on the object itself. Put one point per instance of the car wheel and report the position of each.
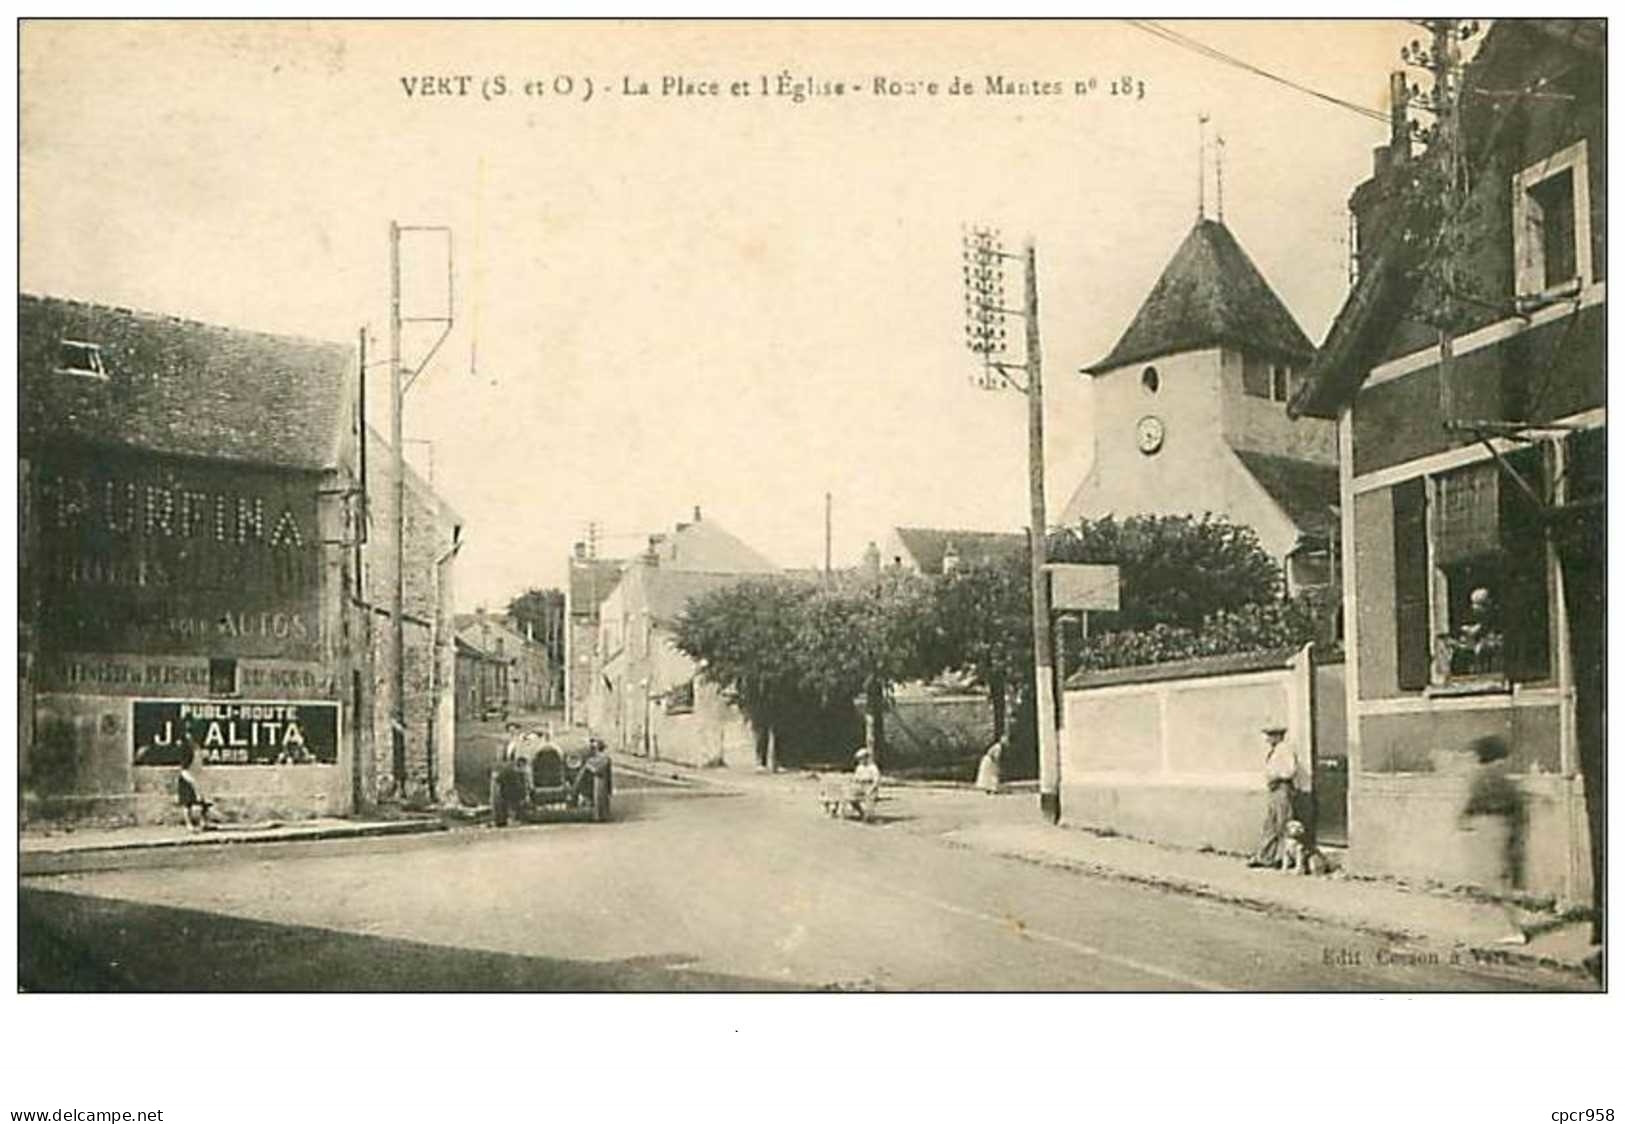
(600, 798)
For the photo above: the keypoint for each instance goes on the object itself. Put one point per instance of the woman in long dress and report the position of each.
(1280, 770)
(987, 773)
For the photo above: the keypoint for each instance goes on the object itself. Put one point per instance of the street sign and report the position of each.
(1078, 587)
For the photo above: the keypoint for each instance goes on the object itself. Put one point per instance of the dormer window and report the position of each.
(1261, 378)
(1551, 226)
(1278, 381)
(75, 357)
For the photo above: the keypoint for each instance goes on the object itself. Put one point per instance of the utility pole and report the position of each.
(397, 525)
(985, 335)
(828, 502)
(400, 381)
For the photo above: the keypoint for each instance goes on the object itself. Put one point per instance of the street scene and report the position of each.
(1095, 506)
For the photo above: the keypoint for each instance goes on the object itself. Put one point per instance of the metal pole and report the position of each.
(828, 501)
(398, 523)
(1049, 758)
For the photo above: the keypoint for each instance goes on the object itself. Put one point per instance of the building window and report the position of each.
(1472, 592)
(1279, 373)
(1551, 226)
(1261, 378)
(222, 677)
(74, 357)
(680, 699)
(1150, 380)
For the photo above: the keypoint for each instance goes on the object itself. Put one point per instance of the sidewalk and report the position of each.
(1390, 910)
(58, 852)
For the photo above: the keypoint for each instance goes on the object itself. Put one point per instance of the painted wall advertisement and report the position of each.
(153, 554)
(237, 732)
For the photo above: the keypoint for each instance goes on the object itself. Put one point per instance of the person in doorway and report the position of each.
(1493, 815)
(1280, 779)
(189, 792)
(987, 773)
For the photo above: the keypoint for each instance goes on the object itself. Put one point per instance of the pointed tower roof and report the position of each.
(1210, 292)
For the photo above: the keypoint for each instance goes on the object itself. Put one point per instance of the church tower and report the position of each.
(1189, 410)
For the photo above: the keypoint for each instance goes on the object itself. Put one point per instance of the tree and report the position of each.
(1174, 569)
(866, 633)
(1179, 574)
(543, 611)
(744, 638)
(984, 629)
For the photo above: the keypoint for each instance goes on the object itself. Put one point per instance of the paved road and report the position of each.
(687, 890)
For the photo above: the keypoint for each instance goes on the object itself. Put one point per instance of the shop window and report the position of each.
(222, 677)
(1472, 595)
(1551, 226)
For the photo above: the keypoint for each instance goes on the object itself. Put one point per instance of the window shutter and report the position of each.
(1411, 620)
(1525, 609)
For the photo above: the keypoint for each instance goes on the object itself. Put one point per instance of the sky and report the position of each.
(736, 302)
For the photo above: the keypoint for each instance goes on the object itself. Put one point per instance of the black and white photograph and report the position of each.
(845, 506)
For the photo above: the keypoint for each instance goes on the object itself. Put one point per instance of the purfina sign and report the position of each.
(237, 732)
(141, 553)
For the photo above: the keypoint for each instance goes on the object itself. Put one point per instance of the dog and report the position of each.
(1298, 855)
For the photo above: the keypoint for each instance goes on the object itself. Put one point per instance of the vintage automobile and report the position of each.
(540, 774)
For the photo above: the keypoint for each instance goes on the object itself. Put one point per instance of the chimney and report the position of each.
(1398, 149)
(696, 513)
(1399, 123)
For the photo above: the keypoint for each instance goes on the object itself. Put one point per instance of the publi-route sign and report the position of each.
(237, 731)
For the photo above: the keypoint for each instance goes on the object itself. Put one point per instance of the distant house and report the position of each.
(933, 550)
(646, 697)
(1473, 481)
(1190, 411)
(590, 581)
(504, 639)
(482, 683)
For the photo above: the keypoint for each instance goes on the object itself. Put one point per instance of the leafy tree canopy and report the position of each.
(543, 611)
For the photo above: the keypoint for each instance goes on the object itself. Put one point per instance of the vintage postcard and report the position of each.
(811, 506)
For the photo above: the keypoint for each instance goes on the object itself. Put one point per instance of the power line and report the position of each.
(1179, 39)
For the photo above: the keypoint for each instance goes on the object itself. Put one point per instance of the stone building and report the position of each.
(414, 763)
(528, 674)
(591, 579)
(646, 696)
(193, 551)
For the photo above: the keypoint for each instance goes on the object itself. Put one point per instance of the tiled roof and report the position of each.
(1306, 491)
(1209, 293)
(180, 387)
(975, 548)
(707, 546)
(667, 592)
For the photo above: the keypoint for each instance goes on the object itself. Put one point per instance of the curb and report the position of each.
(1487, 954)
(75, 859)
